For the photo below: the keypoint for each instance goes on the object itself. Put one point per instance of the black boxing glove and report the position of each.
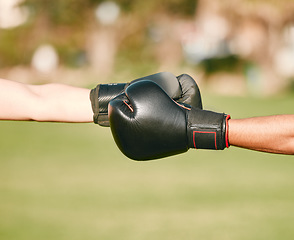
(182, 88)
(147, 124)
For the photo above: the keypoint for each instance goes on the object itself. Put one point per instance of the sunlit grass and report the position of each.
(69, 181)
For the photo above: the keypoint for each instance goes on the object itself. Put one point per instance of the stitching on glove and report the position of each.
(132, 110)
(194, 138)
(182, 106)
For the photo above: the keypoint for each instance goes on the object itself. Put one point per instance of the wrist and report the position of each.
(100, 96)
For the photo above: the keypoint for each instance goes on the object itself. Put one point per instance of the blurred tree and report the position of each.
(64, 24)
(147, 29)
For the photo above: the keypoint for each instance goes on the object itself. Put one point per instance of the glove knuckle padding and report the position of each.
(182, 89)
(104, 93)
(155, 128)
(190, 91)
(167, 81)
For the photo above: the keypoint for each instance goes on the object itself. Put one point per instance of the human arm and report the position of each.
(62, 103)
(49, 102)
(273, 134)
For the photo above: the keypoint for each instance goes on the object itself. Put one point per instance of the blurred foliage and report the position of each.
(64, 24)
(69, 12)
(147, 32)
(230, 63)
(11, 47)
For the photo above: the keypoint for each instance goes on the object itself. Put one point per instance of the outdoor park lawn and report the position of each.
(70, 182)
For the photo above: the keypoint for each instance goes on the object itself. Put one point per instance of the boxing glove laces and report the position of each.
(147, 124)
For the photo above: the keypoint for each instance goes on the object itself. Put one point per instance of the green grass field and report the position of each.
(70, 182)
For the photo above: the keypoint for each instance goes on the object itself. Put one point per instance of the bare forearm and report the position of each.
(50, 102)
(273, 134)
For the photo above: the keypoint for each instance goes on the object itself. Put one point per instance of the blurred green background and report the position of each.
(69, 181)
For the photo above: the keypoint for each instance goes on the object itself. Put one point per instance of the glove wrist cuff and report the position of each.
(207, 130)
(100, 96)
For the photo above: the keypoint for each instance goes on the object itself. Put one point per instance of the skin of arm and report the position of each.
(273, 134)
(49, 102)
